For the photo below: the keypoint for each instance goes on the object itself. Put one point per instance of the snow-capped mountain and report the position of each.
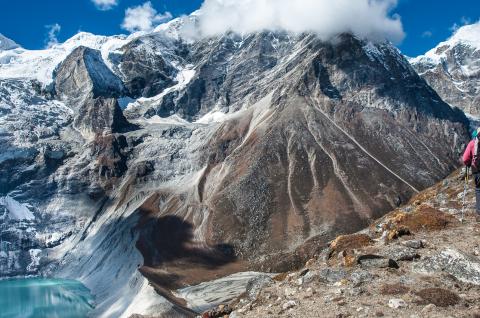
(453, 69)
(152, 159)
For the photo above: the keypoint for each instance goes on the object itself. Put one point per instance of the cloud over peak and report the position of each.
(143, 18)
(369, 19)
(52, 32)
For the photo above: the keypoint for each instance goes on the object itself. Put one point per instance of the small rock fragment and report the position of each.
(397, 303)
(289, 292)
(310, 277)
(428, 308)
(289, 304)
(255, 285)
(361, 276)
(415, 244)
(376, 261)
(309, 292)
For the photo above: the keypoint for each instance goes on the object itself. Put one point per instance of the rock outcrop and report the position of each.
(84, 72)
(87, 85)
(101, 115)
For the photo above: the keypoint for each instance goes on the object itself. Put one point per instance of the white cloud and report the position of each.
(143, 18)
(105, 4)
(427, 34)
(365, 18)
(52, 33)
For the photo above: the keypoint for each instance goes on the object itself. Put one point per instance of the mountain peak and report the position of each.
(468, 34)
(7, 44)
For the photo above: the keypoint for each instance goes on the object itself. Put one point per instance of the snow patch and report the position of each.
(213, 117)
(40, 64)
(35, 259)
(17, 210)
(184, 76)
(172, 120)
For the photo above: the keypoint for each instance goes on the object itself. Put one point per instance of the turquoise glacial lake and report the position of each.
(42, 298)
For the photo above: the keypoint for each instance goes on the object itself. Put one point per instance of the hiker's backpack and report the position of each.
(476, 157)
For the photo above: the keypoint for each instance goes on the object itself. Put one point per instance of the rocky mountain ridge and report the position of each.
(453, 68)
(170, 163)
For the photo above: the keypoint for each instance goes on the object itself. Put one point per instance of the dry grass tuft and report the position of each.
(439, 297)
(394, 289)
(424, 218)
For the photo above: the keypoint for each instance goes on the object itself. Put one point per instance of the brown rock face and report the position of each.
(329, 143)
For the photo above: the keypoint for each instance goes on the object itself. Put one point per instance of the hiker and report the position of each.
(471, 158)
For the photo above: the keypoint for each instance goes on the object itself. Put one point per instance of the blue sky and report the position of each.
(426, 22)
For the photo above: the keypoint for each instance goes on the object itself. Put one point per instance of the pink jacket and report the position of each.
(468, 154)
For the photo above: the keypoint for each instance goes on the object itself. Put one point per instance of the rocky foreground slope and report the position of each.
(417, 261)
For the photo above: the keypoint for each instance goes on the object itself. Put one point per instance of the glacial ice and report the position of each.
(17, 210)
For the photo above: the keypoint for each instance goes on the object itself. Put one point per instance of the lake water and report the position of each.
(42, 298)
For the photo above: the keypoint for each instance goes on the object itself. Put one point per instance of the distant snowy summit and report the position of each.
(452, 68)
(467, 36)
(7, 44)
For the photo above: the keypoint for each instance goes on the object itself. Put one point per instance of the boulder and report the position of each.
(400, 253)
(463, 267)
(255, 285)
(416, 244)
(330, 275)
